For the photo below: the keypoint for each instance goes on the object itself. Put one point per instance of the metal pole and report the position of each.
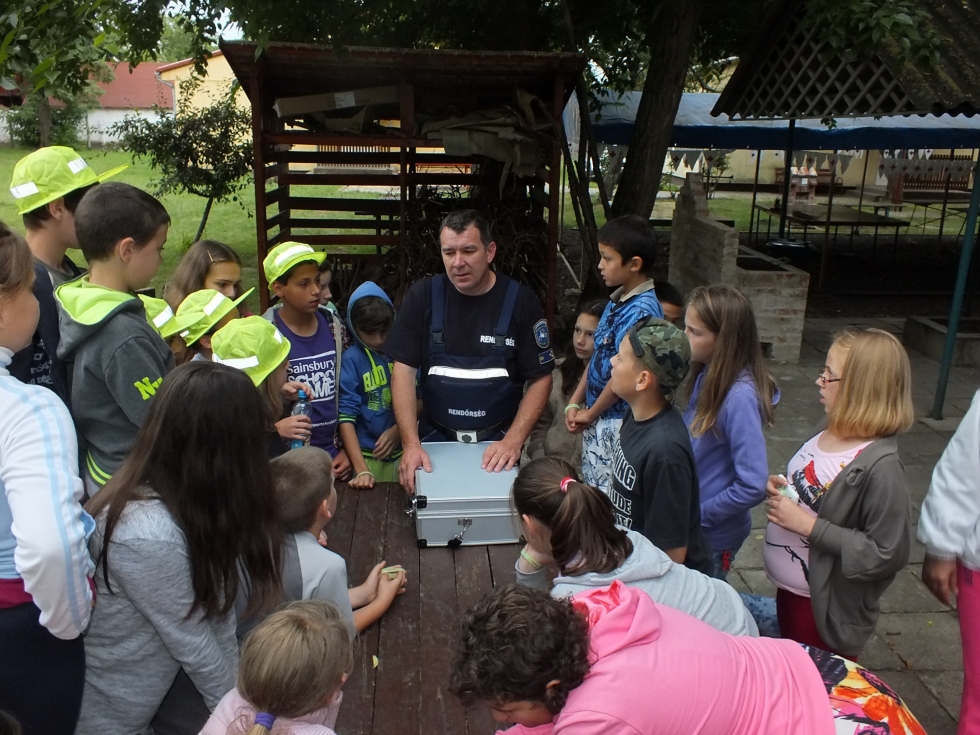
(755, 189)
(787, 174)
(954, 312)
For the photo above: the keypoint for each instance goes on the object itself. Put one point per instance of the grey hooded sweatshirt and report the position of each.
(116, 362)
(651, 570)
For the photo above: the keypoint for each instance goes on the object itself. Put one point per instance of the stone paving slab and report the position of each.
(916, 648)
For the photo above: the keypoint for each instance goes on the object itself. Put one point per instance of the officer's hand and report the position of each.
(501, 455)
(412, 458)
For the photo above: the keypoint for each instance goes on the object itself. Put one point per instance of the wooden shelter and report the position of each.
(793, 73)
(403, 90)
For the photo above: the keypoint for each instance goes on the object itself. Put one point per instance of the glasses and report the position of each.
(824, 379)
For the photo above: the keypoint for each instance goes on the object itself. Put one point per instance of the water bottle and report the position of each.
(302, 408)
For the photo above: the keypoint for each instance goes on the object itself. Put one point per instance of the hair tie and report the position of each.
(565, 483)
(266, 719)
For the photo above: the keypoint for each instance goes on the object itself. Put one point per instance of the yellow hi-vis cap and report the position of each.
(252, 344)
(50, 173)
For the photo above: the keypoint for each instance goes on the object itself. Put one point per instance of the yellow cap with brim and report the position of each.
(160, 316)
(201, 310)
(286, 255)
(50, 173)
(252, 344)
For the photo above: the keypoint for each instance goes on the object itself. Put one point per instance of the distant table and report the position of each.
(814, 216)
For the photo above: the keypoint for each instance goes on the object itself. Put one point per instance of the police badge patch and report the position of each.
(541, 335)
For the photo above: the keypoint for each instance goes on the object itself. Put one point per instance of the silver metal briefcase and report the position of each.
(460, 504)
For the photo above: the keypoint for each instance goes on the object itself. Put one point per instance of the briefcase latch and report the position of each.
(415, 503)
(456, 541)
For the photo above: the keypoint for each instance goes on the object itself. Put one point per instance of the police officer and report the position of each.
(473, 338)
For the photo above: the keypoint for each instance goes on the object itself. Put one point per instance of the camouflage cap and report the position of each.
(664, 349)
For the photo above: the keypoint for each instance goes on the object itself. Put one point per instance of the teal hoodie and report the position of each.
(116, 364)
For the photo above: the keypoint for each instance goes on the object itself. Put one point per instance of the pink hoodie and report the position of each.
(659, 671)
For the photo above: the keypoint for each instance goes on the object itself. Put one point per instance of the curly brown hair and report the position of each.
(514, 643)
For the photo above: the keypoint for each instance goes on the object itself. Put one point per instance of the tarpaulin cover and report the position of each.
(694, 127)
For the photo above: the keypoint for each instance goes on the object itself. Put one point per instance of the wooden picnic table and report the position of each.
(815, 216)
(407, 693)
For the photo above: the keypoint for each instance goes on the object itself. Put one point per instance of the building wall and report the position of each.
(96, 131)
(216, 83)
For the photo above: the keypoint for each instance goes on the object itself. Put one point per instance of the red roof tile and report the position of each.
(137, 90)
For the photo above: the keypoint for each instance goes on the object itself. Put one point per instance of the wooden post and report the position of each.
(258, 167)
(407, 125)
(554, 210)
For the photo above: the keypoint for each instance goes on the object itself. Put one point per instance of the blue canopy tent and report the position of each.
(694, 127)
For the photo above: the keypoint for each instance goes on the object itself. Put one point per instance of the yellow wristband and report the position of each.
(361, 474)
(570, 406)
(530, 559)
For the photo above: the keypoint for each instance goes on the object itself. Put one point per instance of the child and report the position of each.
(118, 359)
(572, 525)
(45, 568)
(192, 505)
(840, 531)
(254, 345)
(613, 661)
(307, 501)
(949, 526)
(47, 185)
(199, 316)
(326, 295)
(627, 251)
(730, 399)
(672, 301)
(367, 421)
(206, 264)
(293, 666)
(655, 479)
(315, 336)
(550, 437)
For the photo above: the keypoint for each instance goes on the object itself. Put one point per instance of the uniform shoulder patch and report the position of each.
(541, 335)
(546, 357)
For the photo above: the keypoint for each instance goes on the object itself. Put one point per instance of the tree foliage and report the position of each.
(206, 151)
(854, 27)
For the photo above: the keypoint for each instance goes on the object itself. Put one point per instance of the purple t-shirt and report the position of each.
(313, 360)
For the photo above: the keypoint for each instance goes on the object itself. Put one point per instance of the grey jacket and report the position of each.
(851, 568)
(141, 635)
(116, 364)
(651, 570)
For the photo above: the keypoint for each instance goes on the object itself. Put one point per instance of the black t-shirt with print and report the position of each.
(468, 324)
(655, 485)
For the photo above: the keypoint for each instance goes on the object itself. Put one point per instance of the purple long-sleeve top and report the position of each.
(732, 463)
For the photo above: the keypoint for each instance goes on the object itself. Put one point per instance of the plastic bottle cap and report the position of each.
(302, 395)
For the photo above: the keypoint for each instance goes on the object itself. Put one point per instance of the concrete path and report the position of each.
(917, 645)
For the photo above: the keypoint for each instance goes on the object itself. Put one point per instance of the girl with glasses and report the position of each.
(839, 521)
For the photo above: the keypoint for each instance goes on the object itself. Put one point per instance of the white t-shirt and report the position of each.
(811, 472)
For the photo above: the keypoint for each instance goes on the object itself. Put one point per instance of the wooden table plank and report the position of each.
(396, 701)
(367, 547)
(440, 711)
(503, 557)
(340, 530)
(473, 581)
